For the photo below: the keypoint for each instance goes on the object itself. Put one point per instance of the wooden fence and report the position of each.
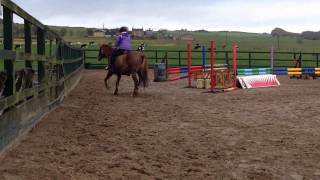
(58, 70)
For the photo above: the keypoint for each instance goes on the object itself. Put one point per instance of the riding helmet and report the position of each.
(123, 29)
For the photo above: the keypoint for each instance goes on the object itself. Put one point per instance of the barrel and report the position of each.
(160, 72)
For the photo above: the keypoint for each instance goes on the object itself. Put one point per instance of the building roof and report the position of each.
(99, 30)
(133, 29)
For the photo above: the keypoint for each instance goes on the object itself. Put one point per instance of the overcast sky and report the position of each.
(215, 15)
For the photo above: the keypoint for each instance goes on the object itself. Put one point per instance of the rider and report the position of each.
(122, 45)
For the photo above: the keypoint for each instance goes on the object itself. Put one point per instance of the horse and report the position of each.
(197, 46)
(24, 79)
(297, 61)
(141, 47)
(131, 63)
(3, 79)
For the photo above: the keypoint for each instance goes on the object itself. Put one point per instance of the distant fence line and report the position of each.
(245, 59)
(57, 70)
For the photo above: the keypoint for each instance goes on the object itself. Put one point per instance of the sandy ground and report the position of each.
(171, 132)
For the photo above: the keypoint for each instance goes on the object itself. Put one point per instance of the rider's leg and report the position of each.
(111, 60)
(114, 56)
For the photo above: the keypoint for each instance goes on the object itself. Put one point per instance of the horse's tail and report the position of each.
(143, 75)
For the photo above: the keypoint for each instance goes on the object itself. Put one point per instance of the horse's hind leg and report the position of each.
(136, 84)
(106, 79)
(140, 78)
(117, 84)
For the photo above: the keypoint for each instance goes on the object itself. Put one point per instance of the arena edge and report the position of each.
(19, 120)
(58, 74)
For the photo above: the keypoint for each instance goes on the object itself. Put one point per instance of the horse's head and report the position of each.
(105, 51)
(3, 78)
(20, 79)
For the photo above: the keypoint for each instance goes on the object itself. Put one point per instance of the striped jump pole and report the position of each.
(204, 57)
(178, 73)
(254, 71)
(212, 73)
(296, 71)
(189, 65)
(235, 65)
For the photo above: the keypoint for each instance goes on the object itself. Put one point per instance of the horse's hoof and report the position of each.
(108, 87)
(134, 94)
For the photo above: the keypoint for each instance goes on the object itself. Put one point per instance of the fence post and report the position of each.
(58, 52)
(227, 58)
(166, 56)
(50, 50)
(41, 52)
(249, 59)
(179, 58)
(167, 66)
(156, 56)
(8, 43)
(27, 41)
(58, 56)
(272, 57)
(84, 56)
(300, 59)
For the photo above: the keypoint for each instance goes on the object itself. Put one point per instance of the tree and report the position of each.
(90, 32)
(18, 31)
(300, 40)
(70, 32)
(63, 31)
(81, 34)
(33, 31)
(162, 33)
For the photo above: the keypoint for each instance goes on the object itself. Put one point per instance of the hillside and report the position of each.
(310, 35)
(282, 40)
(284, 33)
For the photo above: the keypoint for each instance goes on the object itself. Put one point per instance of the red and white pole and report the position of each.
(235, 65)
(212, 73)
(189, 65)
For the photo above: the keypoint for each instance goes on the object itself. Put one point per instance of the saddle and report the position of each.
(119, 53)
(116, 56)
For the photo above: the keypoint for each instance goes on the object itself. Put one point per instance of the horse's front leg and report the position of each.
(109, 74)
(136, 84)
(117, 84)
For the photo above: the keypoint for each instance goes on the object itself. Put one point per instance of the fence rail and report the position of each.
(245, 59)
(57, 71)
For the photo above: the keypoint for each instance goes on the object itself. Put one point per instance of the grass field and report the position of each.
(247, 42)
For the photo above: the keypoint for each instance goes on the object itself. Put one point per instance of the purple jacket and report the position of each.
(123, 41)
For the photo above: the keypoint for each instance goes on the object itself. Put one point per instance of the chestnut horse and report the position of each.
(3, 78)
(132, 63)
